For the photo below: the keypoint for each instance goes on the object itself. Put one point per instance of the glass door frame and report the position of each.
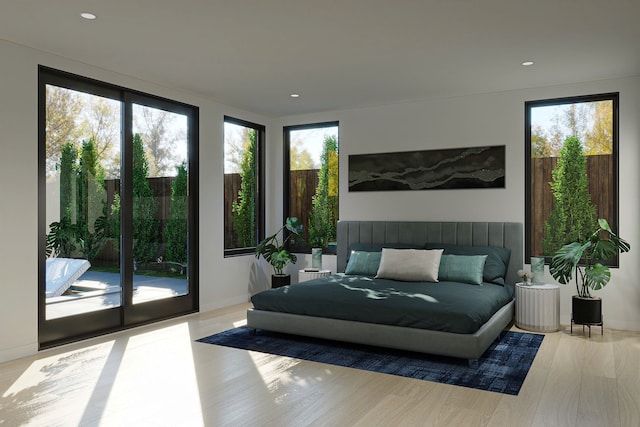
(52, 332)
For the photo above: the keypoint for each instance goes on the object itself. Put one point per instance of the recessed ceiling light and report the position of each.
(295, 95)
(527, 63)
(89, 16)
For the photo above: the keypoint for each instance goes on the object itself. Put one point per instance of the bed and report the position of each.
(389, 314)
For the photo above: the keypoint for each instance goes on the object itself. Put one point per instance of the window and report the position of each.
(311, 183)
(571, 162)
(117, 207)
(243, 186)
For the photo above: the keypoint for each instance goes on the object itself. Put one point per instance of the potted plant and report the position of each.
(583, 262)
(273, 250)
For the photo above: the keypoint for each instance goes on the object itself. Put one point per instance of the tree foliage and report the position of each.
(155, 128)
(573, 217)
(589, 121)
(175, 231)
(68, 167)
(599, 137)
(81, 229)
(62, 108)
(145, 207)
(324, 212)
(244, 207)
(91, 200)
(299, 157)
(101, 122)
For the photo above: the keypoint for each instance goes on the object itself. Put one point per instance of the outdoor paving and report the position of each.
(103, 291)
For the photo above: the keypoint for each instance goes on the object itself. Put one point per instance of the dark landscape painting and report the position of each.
(473, 167)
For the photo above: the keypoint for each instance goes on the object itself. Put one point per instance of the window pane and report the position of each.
(573, 177)
(242, 207)
(160, 201)
(313, 183)
(82, 202)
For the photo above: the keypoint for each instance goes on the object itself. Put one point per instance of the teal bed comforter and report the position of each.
(442, 306)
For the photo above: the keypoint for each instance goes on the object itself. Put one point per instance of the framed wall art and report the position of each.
(454, 168)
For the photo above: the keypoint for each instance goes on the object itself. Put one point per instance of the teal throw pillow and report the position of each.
(363, 263)
(462, 268)
(495, 268)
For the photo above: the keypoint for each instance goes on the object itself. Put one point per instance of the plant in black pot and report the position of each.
(582, 261)
(273, 250)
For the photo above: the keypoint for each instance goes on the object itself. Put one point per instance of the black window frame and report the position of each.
(286, 167)
(260, 185)
(609, 96)
(69, 329)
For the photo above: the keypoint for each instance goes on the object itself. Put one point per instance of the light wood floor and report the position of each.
(159, 376)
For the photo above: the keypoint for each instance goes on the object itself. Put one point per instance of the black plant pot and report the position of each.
(586, 311)
(278, 280)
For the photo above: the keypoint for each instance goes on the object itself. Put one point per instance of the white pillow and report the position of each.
(411, 265)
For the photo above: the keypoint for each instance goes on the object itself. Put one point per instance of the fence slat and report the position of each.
(600, 173)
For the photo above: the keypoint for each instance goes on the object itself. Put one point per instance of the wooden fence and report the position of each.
(302, 187)
(161, 187)
(600, 173)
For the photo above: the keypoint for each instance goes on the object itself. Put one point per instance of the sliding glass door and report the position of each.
(118, 214)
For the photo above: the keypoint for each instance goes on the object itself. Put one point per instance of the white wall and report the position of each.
(223, 281)
(489, 119)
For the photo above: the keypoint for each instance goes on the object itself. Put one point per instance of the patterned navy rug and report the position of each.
(502, 368)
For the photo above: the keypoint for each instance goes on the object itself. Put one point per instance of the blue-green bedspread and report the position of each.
(443, 306)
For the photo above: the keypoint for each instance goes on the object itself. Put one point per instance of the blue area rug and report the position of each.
(502, 368)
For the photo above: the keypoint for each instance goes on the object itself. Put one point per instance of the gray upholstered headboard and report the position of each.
(502, 234)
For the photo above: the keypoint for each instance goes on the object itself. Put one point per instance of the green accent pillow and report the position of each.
(462, 268)
(363, 263)
(495, 268)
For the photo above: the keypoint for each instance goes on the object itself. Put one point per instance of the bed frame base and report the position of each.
(465, 346)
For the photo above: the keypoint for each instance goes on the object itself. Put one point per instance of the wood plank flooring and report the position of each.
(159, 376)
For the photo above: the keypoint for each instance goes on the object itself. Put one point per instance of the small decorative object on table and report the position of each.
(316, 258)
(526, 277)
(537, 268)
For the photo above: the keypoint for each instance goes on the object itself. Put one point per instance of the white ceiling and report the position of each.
(337, 54)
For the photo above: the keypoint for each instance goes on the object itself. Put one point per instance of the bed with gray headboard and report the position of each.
(465, 240)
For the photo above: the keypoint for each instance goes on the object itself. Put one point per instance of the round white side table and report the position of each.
(538, 307)
(303, 276)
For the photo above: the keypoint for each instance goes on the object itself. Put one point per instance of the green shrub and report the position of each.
(324, 205)
(145, 207)
(244, 208)
(573, 217)
(175, 231)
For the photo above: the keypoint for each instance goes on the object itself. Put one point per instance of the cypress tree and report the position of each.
(573, 217)
(91, 201)
(244, 208)
(145, 207)
(68, 167)
(176, 228)
(324, 205)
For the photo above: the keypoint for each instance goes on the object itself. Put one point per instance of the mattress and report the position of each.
(442, 306)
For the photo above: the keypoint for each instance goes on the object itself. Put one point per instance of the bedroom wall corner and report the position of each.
(223, 281)
(488, 119)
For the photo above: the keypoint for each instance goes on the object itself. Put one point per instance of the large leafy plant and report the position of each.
(273, 248)
(583, 260)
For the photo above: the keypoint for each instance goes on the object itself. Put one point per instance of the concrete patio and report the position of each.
(97, 290)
